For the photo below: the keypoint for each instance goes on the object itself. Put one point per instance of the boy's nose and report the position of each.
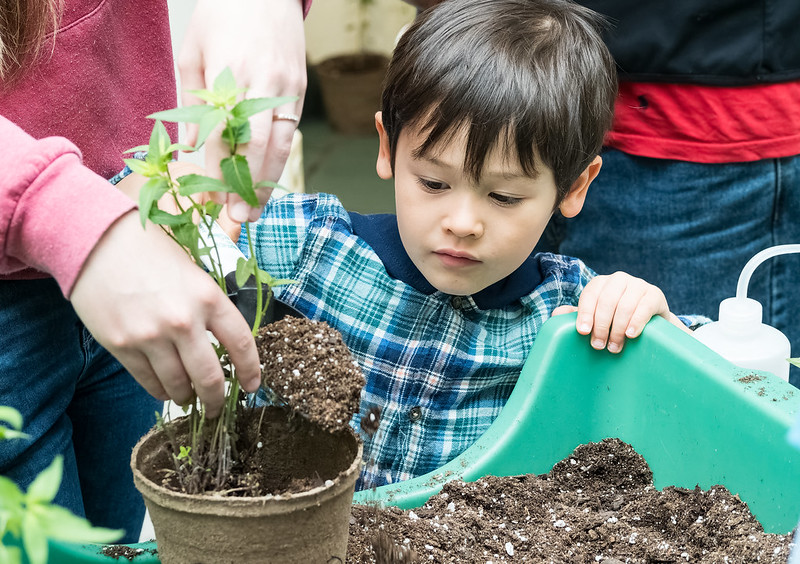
(463, 220)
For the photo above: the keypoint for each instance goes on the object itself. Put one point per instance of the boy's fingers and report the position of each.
(611, 294)
(587, 304)
(627, 315)
(561, 310)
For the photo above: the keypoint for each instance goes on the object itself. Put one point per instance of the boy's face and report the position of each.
(464, 236)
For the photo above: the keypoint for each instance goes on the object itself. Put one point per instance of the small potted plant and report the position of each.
(350, 84)
(257, 483)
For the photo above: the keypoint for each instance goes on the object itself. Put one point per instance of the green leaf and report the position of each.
(160, 217)
(142, 167)
(11, 416)
(10, 493)
(60, 524)
(34, 540)
(252, 106)
(10, 554)
(149, 195)
(180, 147)
(236, 172)
(224, 82)
(8, 434)
(245, 268)
(188, 236)
(205, 95)
(196, 183)
(236, 132)
(794, 361)
(136, 149)
(45, 486)
(158, 153)
(266, 278)
(209, 122)
(212, 209)
(186, 114)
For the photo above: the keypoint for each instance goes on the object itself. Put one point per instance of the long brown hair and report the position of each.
(25, 28)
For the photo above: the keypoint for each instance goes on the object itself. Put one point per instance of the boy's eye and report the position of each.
(431, 185)
(504, 200)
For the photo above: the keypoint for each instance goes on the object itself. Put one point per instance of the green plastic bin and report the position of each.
(695, 417)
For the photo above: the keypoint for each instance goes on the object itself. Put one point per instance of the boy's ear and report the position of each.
(384, 164)
(573, 202)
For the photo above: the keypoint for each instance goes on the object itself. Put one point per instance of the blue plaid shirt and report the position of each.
(438, 367)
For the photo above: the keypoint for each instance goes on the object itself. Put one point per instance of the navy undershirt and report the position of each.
(380, 232)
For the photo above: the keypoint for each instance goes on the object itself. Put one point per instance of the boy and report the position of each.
(494, 112)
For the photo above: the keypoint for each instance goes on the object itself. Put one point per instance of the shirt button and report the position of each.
(415, 414)
(456, 302)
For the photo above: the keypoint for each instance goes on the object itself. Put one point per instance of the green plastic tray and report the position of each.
(695, 417)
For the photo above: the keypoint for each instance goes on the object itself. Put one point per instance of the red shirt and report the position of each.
(707, 124)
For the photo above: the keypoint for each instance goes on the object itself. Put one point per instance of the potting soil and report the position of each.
(596, 505)
(308, 365)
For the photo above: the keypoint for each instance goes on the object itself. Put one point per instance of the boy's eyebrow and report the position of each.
(506, 174)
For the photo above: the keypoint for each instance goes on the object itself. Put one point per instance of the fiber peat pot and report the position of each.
(695, 418)
(351, 90)
(309, 526)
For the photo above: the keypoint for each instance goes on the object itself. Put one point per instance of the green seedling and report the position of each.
(29, 519)
(212, 441)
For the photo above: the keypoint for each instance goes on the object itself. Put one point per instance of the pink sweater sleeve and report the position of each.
(53, 210)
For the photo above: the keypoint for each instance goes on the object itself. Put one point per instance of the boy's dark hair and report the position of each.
(532, 75)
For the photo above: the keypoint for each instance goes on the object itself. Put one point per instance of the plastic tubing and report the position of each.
(752, 264)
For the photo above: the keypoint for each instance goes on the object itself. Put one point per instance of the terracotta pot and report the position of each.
(351, 90)
(311, 526)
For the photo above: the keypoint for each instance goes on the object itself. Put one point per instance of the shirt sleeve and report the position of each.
(280, 234)
(53, 210)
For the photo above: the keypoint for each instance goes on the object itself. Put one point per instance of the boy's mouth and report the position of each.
(451, 258)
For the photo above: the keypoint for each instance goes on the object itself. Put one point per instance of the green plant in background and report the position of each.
(29, 519)
(363, 23)
(212, 443)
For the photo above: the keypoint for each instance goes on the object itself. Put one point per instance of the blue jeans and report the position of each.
(76, 400)
(690, 228)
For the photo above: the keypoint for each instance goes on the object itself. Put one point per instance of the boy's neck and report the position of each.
(381, 234)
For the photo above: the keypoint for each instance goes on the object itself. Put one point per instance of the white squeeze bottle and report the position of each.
(739, 335)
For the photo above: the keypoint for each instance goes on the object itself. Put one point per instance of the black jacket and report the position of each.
(715, 42)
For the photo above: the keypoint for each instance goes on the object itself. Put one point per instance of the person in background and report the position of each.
(702, 166)
(86, 294)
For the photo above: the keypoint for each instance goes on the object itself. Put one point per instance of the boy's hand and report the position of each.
(615, 307)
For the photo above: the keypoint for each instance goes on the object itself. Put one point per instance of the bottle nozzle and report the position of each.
(752, 264)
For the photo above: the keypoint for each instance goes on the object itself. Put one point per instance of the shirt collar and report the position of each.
(380, 232)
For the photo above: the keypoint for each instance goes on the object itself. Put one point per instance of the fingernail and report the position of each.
(614, 347)
(630, 332)
(584, 328)
(598, 344)
(239, 211)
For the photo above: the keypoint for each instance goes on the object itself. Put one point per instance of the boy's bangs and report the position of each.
(448, 120)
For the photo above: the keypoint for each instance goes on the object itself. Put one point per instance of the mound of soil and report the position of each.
(308, 366)
(596, 505)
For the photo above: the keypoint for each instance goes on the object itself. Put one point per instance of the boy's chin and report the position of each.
(457, 288)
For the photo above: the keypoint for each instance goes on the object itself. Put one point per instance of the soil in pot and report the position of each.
(596, 505)
(351, 90)
(288, 494)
